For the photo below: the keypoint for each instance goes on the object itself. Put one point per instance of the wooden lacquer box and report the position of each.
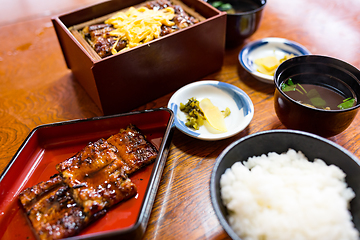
(135, 76)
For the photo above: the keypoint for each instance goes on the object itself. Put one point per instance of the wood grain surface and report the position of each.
(36, 88)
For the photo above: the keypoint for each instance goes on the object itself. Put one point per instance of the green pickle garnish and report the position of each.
(195, 117)
(226, 112)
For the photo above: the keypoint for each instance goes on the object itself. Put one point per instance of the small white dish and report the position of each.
(222, 95)
(277, 47)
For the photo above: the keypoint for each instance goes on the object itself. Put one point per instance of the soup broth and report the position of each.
(233, 7)
(317, 96)
(245, 6)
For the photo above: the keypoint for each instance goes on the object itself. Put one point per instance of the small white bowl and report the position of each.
(277, 47)
(222, 95)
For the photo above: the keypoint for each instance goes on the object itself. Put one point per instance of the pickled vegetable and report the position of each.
(195, 117)
(268, 65)
(213, 115)
(226, 112)
(198, 112)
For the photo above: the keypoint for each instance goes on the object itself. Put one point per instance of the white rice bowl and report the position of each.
(285, 196)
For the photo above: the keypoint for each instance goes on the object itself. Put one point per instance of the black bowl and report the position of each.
(319, 70)
(313, 146)
(244, 22)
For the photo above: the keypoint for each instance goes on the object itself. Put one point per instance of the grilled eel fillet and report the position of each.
(52, 211)
(88, 183)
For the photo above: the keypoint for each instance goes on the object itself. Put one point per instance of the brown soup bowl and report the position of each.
(324, 71)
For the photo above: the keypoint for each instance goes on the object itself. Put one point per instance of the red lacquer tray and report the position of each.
(50, 144)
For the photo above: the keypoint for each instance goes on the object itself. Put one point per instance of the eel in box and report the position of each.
(87, 185)
(100, 37)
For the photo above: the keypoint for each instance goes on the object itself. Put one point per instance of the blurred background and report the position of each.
(12, 11)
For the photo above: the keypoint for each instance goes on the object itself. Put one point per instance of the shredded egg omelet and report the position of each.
(140, 25)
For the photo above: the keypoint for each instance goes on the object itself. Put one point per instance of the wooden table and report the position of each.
(37, 88)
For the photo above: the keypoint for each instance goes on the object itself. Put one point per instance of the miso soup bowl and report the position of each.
(318, 70)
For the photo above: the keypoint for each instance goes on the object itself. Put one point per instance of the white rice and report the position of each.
(285, 196)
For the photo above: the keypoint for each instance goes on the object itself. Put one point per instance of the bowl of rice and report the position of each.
(287, 184)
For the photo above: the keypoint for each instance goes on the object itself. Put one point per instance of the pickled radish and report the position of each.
(213, 115)
(270, 63)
